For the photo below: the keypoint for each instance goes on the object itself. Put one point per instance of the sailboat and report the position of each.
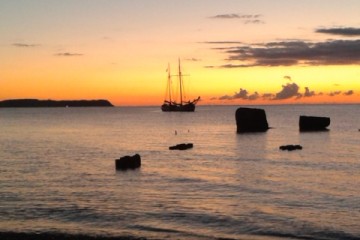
(171, 105)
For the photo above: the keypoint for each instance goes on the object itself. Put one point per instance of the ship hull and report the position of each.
(189, 107)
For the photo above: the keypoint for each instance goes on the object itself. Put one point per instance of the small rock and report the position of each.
(127, 162)
(290, 147)
(311, 123)
(181, 146)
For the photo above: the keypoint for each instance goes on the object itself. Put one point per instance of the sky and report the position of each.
(231, 51)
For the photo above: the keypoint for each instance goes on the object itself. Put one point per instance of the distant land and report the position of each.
(54, 103)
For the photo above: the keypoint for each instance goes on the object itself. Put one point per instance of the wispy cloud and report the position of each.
(193, 59)
(236, 16)
(343, 31)
(247, 18)
(254, 21)
(223, 42)
(25, 45)
(226, 16)
(68, 54)
(235, 65)
(289, 53)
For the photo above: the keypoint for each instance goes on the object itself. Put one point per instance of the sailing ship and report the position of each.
(170, 105)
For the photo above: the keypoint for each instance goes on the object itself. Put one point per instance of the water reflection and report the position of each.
(58, 173)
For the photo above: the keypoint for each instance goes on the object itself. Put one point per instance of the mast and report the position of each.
(180, 81)
(169, 82)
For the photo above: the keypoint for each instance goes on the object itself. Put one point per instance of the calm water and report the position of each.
(57, 174)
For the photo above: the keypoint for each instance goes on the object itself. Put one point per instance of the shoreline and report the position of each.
(36, 103)
(61, 236)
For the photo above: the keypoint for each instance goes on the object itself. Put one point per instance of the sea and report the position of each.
(57, 173)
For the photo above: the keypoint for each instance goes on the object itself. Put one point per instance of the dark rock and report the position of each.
(311, 123)
(290, 147)
(127, 162)
(251, 120)
(181, 146)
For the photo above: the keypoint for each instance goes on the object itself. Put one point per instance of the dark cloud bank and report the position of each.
(289, 53)
(288, 91)
(292, 52)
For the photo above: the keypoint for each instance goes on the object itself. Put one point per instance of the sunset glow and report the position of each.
(234, 52)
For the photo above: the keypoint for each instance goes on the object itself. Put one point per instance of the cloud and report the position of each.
(254, 96)
(288, 78)
(268, 96)
(235, 66)
(68, 54)
(288, 91)
(193, 59)
(247, 18)
(226, 16)
(348, 93)
(226, 97)
(236, 16)
(242, 94)
(223, 42)
(25, 45)
(308, 93)
(289, 53)
(256, 21)
(342, 31)
(332, 94)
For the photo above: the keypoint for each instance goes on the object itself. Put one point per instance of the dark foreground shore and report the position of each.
(59, 236)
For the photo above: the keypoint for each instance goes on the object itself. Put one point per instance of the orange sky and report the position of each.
(235, 52)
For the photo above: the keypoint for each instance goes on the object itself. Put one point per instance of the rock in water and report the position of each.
(127, 162)
(251, 120)
(182, 146)
(311, 123)
(290, 147)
